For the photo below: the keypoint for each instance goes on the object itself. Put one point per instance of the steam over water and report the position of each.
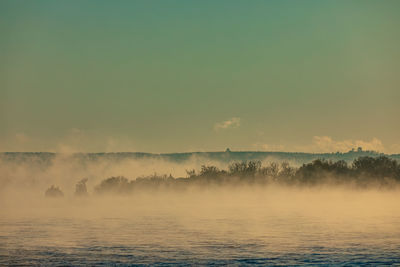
(266, 224)
(216, 226)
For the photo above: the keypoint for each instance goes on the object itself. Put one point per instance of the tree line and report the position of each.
(362, 172)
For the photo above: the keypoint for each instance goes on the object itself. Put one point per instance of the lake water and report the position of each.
(214, 228)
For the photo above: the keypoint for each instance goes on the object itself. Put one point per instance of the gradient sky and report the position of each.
(166, 76)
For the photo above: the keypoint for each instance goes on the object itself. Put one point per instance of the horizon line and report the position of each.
(197, 152)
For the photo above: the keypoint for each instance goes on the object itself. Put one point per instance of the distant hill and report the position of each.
(227, 156)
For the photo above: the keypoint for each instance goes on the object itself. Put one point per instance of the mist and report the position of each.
(199, 210)
(67, 185)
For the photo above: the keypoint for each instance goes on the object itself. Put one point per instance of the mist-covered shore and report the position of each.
(126, 173)
(364, 172)
(201, 211)
(219, 156)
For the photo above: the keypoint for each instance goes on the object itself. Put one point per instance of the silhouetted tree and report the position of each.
(364, 171)
(270, 171)
(245, 169)
(191, 173)
(80, 188)
(378, 168)
(117, 184)
(54, 191)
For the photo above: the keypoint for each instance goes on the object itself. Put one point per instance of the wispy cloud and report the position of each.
(21, 138)
(268, 147)
(231, 123)
(327, 144)
(394, 148)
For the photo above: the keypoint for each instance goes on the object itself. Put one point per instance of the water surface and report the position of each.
(206, 228)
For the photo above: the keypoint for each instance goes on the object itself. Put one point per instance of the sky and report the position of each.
(178, 76)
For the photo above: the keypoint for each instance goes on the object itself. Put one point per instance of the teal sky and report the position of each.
(166, 76)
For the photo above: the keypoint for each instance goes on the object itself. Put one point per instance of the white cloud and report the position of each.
(268, 147)
(75, 131)
(21, 138)
(72, 142)
(231, 123)
(327, 144)
(394, 149)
